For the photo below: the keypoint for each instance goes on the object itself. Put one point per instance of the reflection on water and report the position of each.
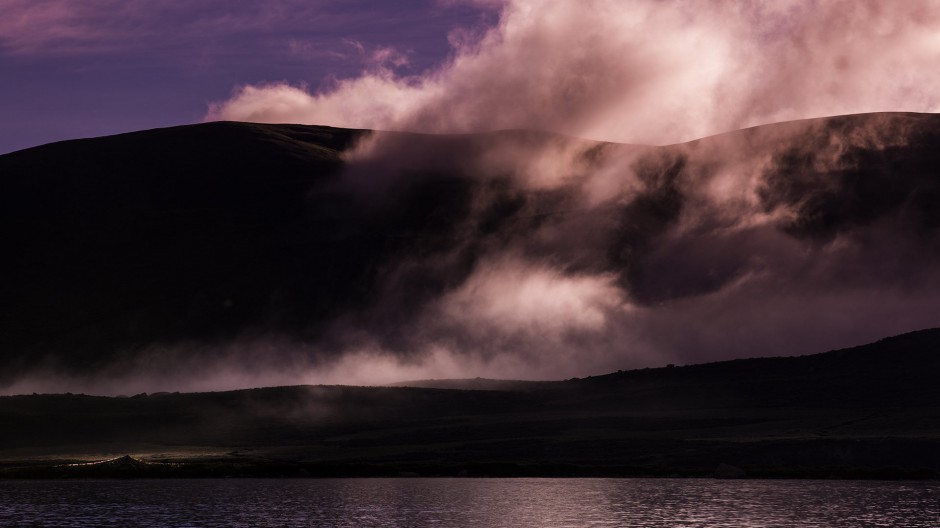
(513, 503)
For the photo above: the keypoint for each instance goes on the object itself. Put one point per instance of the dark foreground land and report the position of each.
(866, 412)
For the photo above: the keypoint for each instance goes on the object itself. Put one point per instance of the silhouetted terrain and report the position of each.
(135, 254)
(865, 412)
(164, 235)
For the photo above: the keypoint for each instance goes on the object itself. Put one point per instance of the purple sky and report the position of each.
(640, 71)
(78, 69)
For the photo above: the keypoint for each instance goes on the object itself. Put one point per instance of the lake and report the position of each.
(516, 503)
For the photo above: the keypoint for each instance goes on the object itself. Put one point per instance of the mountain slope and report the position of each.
(160, 250)
(169, 234)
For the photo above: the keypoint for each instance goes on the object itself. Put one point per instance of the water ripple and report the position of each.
(516, 503)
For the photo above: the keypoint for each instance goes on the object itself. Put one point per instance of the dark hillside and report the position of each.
(893, 372)
(867, 412)
(171, 234)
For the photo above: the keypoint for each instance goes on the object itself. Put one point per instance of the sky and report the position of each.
(87, 68)
(742, 245)
(643, 71)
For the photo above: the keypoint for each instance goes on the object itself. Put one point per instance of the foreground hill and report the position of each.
(866, 412)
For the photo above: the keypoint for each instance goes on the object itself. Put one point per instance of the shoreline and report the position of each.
(127, 467)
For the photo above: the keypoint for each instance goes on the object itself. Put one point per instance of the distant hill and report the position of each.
(473, 384)
(879, 373)
(867, 412)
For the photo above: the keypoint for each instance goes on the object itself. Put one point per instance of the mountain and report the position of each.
(163, 235)
(148, 252)
(867, 412)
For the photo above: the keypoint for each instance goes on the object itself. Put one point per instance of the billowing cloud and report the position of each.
(642, 71)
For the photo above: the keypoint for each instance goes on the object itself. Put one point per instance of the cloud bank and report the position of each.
(644, 71)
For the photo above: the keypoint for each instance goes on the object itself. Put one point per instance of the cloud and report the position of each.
(642, 71)
(799, 237)
(525, 309)
(39, 28)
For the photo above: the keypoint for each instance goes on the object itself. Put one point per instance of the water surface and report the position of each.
(516, 503)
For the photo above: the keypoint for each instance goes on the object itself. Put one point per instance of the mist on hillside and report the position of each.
(536, 256)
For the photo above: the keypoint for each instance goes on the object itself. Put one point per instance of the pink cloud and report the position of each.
(643, 71)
